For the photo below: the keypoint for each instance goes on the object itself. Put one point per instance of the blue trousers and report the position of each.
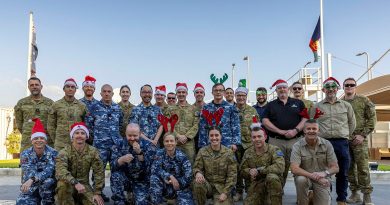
(159, 189)
(42, 192)
(341, 149)
(120, 183)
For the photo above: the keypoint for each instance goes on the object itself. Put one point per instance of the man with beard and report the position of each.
(37, 163)
(337, 125)
(145, 115)
(104, 120)
(159, 96)
(313, 162)
(261, 96)
(131, 162)
(299, 93)
(88, 99)
(171, 98)
(359, 173)
(28, 108)
(263, 166)
(63, 114)
(229, 122)
(229, 96)
(187, 124)
(283, 122)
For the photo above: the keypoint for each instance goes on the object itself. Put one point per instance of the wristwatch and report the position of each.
(141, 153)
(33, 178)
(74, 181)
(327, 173)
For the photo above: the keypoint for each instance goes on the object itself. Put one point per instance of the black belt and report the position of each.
(283, 137)
(336, 139)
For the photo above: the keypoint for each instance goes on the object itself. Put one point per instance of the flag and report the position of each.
(34, 48)
(242, 83)
(314, 44)
(245, 58)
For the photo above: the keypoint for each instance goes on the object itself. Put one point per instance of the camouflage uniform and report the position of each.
(62, 115)
(25, 110)
(42, 168)
(72, 166)
(198, 110)
(245, 114)
(133, 176)
(230, 125)
(163, 107)
(267, 187)
(126, 110)
(219, 168)
(359, 173)
(187, 125)
(308, 103)
(146, 118)
(162, 168)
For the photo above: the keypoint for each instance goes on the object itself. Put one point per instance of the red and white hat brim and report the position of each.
(89, 83)
(38, 134)
(79, 127)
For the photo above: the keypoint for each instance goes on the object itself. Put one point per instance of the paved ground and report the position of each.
(9, 190)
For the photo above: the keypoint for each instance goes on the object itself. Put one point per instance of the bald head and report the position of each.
(133, 133)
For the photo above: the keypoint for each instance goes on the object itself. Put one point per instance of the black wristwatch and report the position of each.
(33, 178)
(297, 130)
(74, 181)
(141, 153)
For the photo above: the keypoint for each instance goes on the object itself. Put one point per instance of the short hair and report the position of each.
(218, 84)
(172, 93)
(215, 128)
(310, 121)
(146, 85)
(350, 78)
(106, 85)
(261, 89)
(124, 86)
(229, 88)
(34, 78)
(296, 83)
(133, 125)
(257, 128)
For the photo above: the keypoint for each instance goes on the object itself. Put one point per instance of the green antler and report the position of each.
(214, 79)
(224, 78)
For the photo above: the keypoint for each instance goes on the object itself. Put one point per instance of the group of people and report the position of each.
(176, 152)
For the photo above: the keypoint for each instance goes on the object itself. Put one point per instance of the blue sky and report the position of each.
(164, 42)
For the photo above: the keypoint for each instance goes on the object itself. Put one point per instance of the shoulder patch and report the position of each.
(279, 153)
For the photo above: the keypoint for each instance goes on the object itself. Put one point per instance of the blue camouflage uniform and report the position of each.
(230, 125)
(89, 103)
(43, 170)
(133, 176)
(104, 121)
(162, 168)
(146, 118)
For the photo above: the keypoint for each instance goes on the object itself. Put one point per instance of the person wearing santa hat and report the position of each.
(337, 125)
(38, 169)
(199, 93)
(73, 165)
(64, 113)
(159, 95)
(187, 126)
(89, 90)
(34, 106)
(145, 115)
(246, 114)
(283, 122)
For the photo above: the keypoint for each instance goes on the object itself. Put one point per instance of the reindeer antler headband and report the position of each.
(219, 80)
(217, 116)
(305, 113)
(164, 120)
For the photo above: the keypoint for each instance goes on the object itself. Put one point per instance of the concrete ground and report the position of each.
(9, 190)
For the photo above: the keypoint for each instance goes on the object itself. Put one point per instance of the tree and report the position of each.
(13, 142)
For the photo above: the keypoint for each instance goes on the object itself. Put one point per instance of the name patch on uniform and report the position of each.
(280, 153)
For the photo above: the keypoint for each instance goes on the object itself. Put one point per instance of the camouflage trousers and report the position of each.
(41, 193)
(206, 190)
(265, 191)
(189, 149)
(66, 194)
(359, 172)
(240, 186)
(321, 194)
(286, 147)
(121, 183)
(159, 189)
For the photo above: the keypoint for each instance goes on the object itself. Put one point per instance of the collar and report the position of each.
(327, 102)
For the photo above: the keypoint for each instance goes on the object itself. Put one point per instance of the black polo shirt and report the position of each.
(284, 116)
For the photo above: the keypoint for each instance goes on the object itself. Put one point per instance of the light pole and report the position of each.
(369, 72)
(233, 64)
(246, 58)
(306, 64)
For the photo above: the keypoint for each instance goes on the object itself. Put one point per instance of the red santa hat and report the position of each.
(255, 122)
(198, 86)
(279, 83)
(38, 130)
(162, 90)
(181, 86)
(78, 126)
(70, 81)
(89, 81)
(331, 80)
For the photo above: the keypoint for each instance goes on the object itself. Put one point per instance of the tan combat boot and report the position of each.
(367, 199)
(354, 198)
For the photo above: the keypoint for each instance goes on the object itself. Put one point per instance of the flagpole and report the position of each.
(29, 58)
(322, 46)
(247, 79)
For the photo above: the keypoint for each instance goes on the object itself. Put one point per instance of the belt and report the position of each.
(336, 139)
(283, 138)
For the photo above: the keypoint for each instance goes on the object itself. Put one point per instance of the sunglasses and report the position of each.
(349, 85)
(171, 98)
(332, 86)
(297, 88)
(259, 92)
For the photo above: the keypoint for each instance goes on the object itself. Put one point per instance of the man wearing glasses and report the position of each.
(64, 113)
(299, 93)
(171, 98)
(145, 115)
(337, 125)
(261, 96)
(359, 173)
(283, 122)
(34, 106)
